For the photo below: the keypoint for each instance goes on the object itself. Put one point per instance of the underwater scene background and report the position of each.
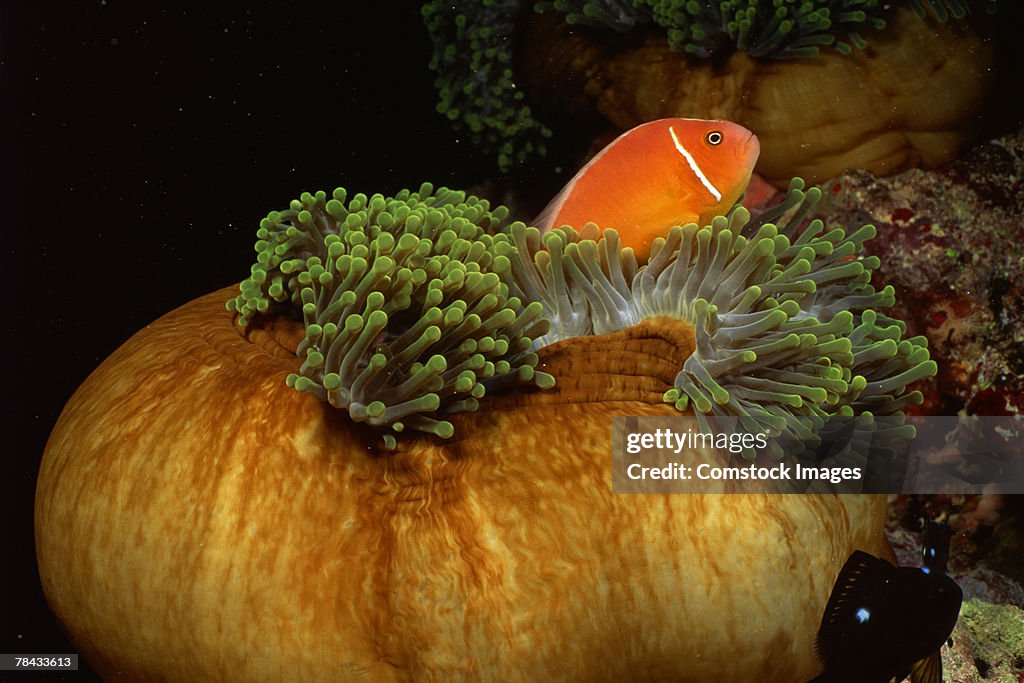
(142, 146)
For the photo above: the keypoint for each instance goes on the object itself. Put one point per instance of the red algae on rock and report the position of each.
(951, 241)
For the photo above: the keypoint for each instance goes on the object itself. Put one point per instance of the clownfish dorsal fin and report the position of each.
(545, 220)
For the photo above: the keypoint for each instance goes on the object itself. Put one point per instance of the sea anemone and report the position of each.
(785, 318)
(473, 62)
(910, 101)
(191, 502)
(415, 306)
(405, 322)
(771, 30)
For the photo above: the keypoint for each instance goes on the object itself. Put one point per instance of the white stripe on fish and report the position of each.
(694, 167)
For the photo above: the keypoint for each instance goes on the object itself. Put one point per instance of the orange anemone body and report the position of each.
(660, 174)
(913, 99)
(198, 520)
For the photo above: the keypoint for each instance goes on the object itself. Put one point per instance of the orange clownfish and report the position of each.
(660, 174)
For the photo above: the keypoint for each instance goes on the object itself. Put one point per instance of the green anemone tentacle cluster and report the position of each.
(943, 10)
(769, 29)
(416, 306)
(473, 62)
(774, 29)
(785, 318)
(406, 320)
(287, 239)
(472, 42)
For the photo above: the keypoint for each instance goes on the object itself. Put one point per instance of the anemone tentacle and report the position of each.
(783, 313)
(416, 306)
(773, 30)
(406, 320)
(473, 55)
(473, 62)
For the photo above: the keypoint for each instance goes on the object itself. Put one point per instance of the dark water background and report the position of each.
(139, 147)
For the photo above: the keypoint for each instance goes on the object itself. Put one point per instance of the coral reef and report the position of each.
(949, 241)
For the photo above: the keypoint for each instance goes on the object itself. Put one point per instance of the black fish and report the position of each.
(883, 622)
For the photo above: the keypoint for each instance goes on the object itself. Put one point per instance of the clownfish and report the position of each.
(658, 175)
(883, 622)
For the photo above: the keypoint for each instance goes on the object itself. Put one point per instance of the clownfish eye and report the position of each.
(714, 138)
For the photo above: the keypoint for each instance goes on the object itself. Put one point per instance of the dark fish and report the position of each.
(883, 622)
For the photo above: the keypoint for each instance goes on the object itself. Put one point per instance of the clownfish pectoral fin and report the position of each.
(928, 670)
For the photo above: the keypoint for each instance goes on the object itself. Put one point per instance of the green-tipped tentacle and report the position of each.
(473, 62)
(406, 319)
(786, 327)
(416, 306)
(472, 42)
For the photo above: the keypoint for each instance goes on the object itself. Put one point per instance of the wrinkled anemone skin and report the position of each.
(199, 520)
(910, 99)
